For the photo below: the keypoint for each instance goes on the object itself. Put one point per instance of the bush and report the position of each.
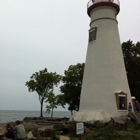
(72, 130)
(53, 136)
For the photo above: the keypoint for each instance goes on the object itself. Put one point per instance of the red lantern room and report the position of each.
(96, 3)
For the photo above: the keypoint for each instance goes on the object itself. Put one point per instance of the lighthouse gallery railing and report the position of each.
(91, 2)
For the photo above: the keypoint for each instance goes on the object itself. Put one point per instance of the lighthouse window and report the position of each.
(121, 100)
(92, 34)
(122, 103)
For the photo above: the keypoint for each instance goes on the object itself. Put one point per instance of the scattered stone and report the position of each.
(59, 132)
(119, 121)
(63, 137)
(125, 133)
(134, 117)
(87, 130)
(58, 126)
(44, 128)
(30, 135)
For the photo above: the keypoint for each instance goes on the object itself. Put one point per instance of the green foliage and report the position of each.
(53, 136)
(43, 83)
(72, 85)
(61, 100)
(131, 53)
(74, 138)
(134, 127)
(72, 129)
(38, 138)
(111, 133)
(53, 101)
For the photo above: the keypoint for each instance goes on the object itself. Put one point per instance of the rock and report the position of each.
(89, 125)
(2, 130)
(63, 137)
(134, 116)
(124, 118)
(29, 119)
(35, 132)
(117, 121)
(30, 135)
(124, 133)
(58, 126)
(46, 128)
(128, 119)
(87, 130)
(95, 134)
(46, 133)
(65, 130)
(43, 128)
(59, 132)
(29, 126)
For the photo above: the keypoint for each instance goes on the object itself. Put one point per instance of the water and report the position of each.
(13, 115)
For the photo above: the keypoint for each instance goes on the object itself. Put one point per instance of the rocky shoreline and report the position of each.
(45, 128)
(42, 126)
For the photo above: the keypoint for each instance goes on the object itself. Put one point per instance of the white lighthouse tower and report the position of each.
(105, 91)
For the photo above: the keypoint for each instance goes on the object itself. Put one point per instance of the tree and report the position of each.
(72, 85)
(54, 101)
(43, 83)
(131, 53)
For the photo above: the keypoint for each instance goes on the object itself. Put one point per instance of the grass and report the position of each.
(104, 132)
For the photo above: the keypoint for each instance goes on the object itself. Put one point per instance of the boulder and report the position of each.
(134, 117)
(87, 130)
(118, 121)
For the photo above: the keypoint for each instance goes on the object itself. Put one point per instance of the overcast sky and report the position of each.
(38, 34)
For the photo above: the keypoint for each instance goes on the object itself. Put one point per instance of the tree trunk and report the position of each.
(52, 113)
(41, 114)
(71, 112)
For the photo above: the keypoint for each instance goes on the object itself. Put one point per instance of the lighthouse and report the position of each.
(105, 91)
